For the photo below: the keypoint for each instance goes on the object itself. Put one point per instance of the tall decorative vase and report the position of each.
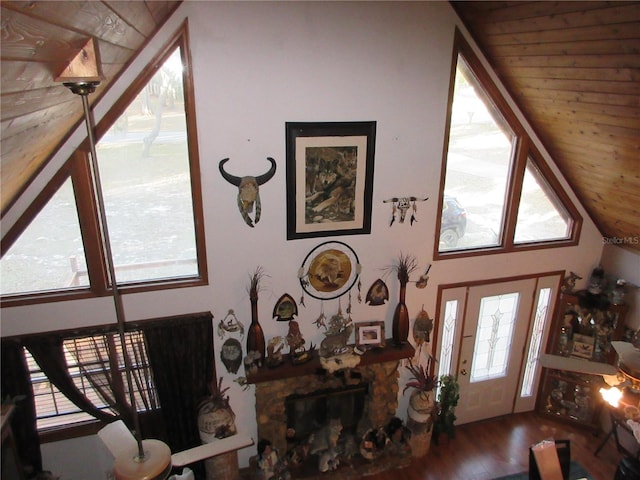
(255, 335)
(420, 421)
(400, 329)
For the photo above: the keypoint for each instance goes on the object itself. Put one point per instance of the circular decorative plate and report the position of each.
(329, 270)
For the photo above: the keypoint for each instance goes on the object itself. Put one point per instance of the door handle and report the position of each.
(463, 371)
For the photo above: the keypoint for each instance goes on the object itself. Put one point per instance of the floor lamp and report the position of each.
(150, 459)
(142, 459)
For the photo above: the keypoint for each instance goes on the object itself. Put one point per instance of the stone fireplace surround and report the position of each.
(378, 371)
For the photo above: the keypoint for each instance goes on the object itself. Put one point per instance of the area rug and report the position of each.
(576, 472)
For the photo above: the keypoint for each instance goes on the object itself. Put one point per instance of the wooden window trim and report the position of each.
(523, 149)
(78, 168)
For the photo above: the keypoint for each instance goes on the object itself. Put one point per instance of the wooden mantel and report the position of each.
(388, 353)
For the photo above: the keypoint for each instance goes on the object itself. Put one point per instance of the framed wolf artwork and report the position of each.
(329, 178)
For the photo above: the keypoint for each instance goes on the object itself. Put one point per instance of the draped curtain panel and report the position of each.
(48, 352)
(183, 364)
(16, 387)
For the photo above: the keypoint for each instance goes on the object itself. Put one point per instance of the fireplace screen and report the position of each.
(307, 413)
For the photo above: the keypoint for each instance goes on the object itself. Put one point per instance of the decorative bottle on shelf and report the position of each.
(400, 330)
(255, 335)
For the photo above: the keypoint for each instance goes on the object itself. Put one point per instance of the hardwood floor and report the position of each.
(492, 448)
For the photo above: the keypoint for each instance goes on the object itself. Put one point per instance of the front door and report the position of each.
(492, 348)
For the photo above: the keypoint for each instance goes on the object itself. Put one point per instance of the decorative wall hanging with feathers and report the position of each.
(402, 204)
(248, 190)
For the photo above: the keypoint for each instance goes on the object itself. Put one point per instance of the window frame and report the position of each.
(523, 149)
(77, 167)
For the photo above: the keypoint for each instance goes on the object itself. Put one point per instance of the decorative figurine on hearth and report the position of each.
(274, 352)
(269, 464)
(398, 435)
(324, 443)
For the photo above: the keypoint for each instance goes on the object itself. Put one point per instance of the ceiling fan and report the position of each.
(626, 373)
(157, 460)
(135, 459)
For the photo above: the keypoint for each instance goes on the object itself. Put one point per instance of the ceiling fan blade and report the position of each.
(207, 450)
(623, 348)
(577, 365)
(628, 359)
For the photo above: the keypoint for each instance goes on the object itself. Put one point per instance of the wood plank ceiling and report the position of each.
(574, 70)
(39, 38)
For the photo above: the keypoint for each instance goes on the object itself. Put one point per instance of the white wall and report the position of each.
(259, 65)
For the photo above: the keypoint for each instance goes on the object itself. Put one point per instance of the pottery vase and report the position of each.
(400, 330)
(420, 421)
(255, 335)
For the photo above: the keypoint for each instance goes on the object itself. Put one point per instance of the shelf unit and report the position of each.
(584, 327)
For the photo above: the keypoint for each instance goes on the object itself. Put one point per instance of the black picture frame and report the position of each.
(329, 172)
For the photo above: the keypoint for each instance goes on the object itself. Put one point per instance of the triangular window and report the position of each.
(49, 255)
(149, 176)
(495, 197)
(541, 214)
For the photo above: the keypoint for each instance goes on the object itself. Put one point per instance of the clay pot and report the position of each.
(420, 421)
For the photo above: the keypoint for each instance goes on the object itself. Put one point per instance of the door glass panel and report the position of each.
(535, 346)
(494, 335)
(448, 337)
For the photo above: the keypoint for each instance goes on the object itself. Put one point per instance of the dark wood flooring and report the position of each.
(493, 448)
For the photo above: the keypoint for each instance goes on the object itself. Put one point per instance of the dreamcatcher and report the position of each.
(329, 271)
(402, 204)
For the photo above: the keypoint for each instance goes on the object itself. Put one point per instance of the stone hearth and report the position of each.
(377, 372)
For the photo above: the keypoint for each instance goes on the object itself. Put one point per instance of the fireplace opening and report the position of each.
(309, 412)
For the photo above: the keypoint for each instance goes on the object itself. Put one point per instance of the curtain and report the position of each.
(182, 361)
(48, 352)
(16, 387)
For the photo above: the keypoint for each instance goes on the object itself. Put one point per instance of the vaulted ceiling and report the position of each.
(574, 70)
(572, 67)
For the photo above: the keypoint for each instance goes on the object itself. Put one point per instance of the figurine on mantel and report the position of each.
(336, 336)
(295, 341)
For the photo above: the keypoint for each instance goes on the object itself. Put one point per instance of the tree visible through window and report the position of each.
(149, 172)
(144, 167)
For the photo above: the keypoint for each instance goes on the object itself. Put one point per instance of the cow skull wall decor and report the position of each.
(248, 190)
(402, 204)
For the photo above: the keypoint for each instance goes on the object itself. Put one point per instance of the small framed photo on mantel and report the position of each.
(370, 335)
(329, 169)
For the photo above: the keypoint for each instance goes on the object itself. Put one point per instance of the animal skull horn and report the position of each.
(248, 190)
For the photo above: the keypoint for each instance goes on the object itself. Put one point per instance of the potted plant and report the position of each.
(447, 401)
(422, 406)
